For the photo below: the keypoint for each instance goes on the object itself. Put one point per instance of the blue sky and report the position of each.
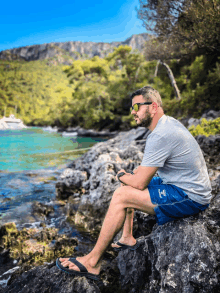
(24, 23)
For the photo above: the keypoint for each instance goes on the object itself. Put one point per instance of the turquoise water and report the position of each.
(33, 148)
(31, 161)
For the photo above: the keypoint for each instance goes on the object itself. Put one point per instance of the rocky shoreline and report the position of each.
(182, 256)
(88, 132)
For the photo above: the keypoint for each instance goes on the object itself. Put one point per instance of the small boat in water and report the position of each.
(70, 134)
(11, 123)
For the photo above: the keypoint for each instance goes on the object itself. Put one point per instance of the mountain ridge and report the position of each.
(66, 52)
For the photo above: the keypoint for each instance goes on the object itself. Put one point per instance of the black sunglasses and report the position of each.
(136, 106)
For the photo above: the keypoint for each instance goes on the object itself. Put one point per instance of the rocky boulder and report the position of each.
(90, 180)
(209, 115)
(48, 278)
(211, 148)
(181, 256)
(41, 210)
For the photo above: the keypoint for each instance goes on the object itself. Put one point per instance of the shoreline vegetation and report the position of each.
(94, 93)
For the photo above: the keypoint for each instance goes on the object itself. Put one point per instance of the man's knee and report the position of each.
(120, 193)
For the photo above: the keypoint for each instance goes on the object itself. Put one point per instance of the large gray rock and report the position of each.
(181, 256)
(49, 278)
(211, 148)
(211, 114)
(70, 181)
(193, 122)
(91, 178)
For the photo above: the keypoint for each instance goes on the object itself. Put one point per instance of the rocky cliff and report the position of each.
(67, 51)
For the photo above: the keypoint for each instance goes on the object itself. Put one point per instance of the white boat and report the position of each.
(69, 134)
(11, 123)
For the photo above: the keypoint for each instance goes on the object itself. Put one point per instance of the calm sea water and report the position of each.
(33, 148)
(31, 160)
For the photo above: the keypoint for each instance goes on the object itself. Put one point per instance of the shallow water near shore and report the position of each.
(31, 160)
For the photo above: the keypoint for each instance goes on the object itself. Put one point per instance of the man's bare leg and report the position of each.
(127, 232)
(123, 198)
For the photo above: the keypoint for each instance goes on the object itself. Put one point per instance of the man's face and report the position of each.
(143, 115)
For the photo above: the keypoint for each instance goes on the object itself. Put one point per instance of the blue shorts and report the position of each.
(172, 202)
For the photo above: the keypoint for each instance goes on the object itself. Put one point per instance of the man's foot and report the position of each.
(85, 261)
(83, 270)
(129, 242)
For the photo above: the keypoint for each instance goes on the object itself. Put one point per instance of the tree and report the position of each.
(171, 77)
(193, 23)
(158, 48)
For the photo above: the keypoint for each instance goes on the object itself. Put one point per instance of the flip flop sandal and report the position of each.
(124, 246)
(83, 270)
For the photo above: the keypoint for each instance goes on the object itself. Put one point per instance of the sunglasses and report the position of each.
(136, 106)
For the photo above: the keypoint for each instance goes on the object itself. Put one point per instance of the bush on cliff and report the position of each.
(207, 128)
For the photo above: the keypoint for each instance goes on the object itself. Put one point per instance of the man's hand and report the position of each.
(140, 179)
(122, 170)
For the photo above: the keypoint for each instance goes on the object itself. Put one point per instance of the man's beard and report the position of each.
(146, 122)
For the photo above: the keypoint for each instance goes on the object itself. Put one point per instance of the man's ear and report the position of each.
(155, 107)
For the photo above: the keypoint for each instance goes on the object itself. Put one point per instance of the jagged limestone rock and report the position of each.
(101, 164)
(74, 49)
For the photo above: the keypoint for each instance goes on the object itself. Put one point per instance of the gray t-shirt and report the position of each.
(172, 148)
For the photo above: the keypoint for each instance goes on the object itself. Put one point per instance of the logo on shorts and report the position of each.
(163, 192)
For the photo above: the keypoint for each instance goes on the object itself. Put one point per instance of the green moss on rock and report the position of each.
(35, 246)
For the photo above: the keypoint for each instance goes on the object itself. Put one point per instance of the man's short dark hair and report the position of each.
(149, 94)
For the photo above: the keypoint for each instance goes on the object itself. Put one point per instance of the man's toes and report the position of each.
(73, 267)
(66, 263)
(63, 259)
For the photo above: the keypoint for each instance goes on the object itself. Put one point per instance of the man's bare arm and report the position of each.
(141, 178)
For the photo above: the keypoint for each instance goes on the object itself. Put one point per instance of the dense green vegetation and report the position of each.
(199, 82)
(211, 127)
(94, 93)
(34, 90)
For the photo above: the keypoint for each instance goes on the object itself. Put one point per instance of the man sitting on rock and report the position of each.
(183, 187)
